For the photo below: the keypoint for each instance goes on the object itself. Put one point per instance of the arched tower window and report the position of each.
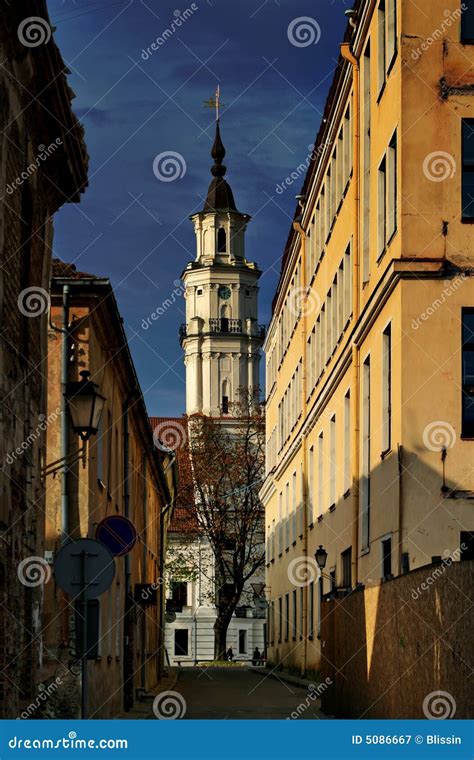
(225, 397)
(221, 240)
(225, 316)
(205, 238)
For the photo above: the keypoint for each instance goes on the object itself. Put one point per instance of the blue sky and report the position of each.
(133, 227)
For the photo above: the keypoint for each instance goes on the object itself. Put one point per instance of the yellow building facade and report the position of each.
(370, 350)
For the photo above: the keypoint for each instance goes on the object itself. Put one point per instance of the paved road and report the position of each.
(240, 693)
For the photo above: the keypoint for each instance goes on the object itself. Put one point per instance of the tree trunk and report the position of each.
(220, 635)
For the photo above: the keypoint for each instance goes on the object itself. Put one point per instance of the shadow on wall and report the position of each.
(402, 649)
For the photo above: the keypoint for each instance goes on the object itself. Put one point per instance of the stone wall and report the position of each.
(387, 648)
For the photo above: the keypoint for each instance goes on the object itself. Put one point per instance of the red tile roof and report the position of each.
(63, 269)
(172, 433)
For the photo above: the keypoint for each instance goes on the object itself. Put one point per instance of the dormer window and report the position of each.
(221, 240)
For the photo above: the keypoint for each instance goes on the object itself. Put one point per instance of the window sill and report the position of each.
(467, 220)
(294, 638)
(467, 437)
(385, 453)
(365, 551)
(311, 526)
(294, 543)
(332, 508)
(320, 518)
(346, 494)
(101, 484)
(287, 550)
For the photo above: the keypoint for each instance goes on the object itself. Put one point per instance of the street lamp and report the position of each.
(321, 556)
(85, 406)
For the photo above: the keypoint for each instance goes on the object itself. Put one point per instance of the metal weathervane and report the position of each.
(215, 102)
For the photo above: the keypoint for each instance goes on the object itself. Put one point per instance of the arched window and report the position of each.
(225, 315)
(221, 240)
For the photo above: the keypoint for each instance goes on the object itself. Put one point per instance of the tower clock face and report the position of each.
(224, 292)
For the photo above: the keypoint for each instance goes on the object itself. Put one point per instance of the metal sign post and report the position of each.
(84, 569)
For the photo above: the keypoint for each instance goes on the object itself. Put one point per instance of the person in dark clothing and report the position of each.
(230, 654)
(256, 657)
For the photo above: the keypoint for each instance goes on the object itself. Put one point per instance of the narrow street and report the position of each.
(241, 693)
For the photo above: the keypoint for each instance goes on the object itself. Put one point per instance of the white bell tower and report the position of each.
(221, 338)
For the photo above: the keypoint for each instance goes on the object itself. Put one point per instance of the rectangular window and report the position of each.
(387, 557)
(320, 474)
(391, 200)
(179, 593)
(348, 283)
(467, 23)
(367, 165)
(311, 610)
(387, 389)
(242, 641)
(346, 567)
(301, 611)
(280, 619)
(287, 516)
(468, 169)
(295, 613)
(287, 617)
(348, 145)
(310, 485)
(391, 31)
(365, 479)
(332, 462)
(347, 441)
(468, 373)
(294, 507)
(382, 207)
(225, 405)
(99, 452)
(382, 52)
(181, 642)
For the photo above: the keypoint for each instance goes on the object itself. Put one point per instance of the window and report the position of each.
(99, 452)
(181, 642)
(332, 462)
(199, 292)
(386, 389)
(310, 484)
(382, 209)
(293, 507)
(311, 610)
(365, 479)
(287, 617)
(391, 31)
(225, 405)
(295, 614)
(392, 188)
(320, 473)
(468, 373)
(332, 575)
(301, 611)
(467, 545)
(347, 442)
(467, 23)
(382, 53)
(242, 641)
(346, 562)
(179, 593)
(280, 618)
(468, 169)
(387, 557)
(366, 179)
(280, 524)
(221, 240)
(287, 516)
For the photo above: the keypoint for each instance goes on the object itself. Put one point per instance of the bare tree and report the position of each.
(228, 461)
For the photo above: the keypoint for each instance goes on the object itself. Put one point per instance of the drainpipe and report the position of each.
(64, 415)
(304, 328)
(355, 439)
(126, 478)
